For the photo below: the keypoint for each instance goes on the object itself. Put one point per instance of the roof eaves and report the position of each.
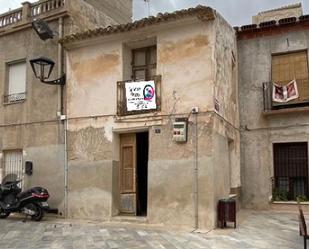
(201, 12)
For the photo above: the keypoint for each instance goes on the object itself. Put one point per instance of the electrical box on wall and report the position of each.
(180, 130)
(29, 168)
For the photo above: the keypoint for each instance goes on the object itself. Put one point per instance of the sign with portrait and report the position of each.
(141, 95)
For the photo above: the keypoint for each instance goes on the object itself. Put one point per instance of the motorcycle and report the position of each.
(32, 202)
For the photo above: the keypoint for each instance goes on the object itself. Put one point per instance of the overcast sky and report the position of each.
(237, 12)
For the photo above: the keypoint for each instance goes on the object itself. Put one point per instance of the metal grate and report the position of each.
(13, 98)
(13, 164)
(291, 168)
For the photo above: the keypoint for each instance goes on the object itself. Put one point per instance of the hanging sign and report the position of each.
(141, 95)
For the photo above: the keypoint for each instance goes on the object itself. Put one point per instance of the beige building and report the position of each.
(167, 155)
(162, 117)
(30, 127)
(273, 97)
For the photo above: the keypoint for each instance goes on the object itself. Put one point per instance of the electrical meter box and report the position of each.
(180, 128)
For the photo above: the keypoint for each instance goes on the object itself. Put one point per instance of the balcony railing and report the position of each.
(14, 98)
(270, 105)
(46, 6)
(29, 11)
(10, 18)
(122, 108)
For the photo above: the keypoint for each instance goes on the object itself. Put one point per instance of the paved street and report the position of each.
(258, 230)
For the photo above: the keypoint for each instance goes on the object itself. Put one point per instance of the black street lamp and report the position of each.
(42, 68)
(42, 29)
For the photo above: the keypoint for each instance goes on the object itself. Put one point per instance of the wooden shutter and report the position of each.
(128, 173)
(144, 63)
(287, 67)
(128, 169)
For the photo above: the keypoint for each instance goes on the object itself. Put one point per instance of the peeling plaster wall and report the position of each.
(90, 14)
(187, 63)
(226, 120)
(260, 132)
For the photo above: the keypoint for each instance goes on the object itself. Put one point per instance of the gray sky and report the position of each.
(237, 12)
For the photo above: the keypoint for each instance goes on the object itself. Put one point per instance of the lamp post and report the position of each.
(42, 68)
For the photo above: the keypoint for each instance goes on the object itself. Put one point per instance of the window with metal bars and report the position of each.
(291, 169)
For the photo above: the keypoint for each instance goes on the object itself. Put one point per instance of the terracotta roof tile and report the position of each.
(202, 12)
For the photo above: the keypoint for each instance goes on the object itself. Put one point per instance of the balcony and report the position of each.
(28, 12)
(137, 102)
(270, 107)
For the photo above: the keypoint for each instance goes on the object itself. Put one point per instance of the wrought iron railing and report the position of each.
(45, 6)
(122, 109)
(10, 17)
(14, 98)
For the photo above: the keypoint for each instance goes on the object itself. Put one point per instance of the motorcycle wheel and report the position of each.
(39, 212)
(3, 214)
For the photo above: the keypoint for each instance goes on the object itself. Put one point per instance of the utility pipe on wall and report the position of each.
(61, 112)
(195, 175)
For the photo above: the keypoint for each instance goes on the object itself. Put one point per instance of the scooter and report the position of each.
(32, 202)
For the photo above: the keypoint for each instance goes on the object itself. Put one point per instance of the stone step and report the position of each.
(130, 219)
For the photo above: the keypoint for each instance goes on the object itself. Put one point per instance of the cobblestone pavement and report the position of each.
(259, 230)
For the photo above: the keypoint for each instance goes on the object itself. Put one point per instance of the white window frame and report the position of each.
(18, 95)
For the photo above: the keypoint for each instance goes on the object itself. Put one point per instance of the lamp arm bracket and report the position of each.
(59, 81)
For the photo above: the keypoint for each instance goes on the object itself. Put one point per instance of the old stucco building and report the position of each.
(162, 116)
(127, 162)
(274, 135)
(30, 129)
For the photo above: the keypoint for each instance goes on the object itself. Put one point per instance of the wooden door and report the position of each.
(128, 173)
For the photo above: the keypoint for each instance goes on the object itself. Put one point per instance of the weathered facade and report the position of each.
(30, 126)
(209, 84)
(274, 135)
(294, 10)
(195, 65)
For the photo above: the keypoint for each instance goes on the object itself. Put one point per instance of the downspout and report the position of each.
(62, 116)
(196, 224)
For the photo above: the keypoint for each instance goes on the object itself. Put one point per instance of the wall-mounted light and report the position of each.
(42, 68)
(42, 29)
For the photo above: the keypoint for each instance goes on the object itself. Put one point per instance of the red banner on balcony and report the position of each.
(285, 93)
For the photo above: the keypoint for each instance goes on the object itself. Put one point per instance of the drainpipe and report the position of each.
(60, 67)
(195, 144)
(62, 117)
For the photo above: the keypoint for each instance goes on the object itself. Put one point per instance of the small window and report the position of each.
(13, 164)
(289, 67)
(291, 170)
(16, 82)
(144, 63)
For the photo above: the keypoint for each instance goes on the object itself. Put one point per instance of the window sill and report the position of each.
(14, 102)
(286, 111)
(136, 116)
